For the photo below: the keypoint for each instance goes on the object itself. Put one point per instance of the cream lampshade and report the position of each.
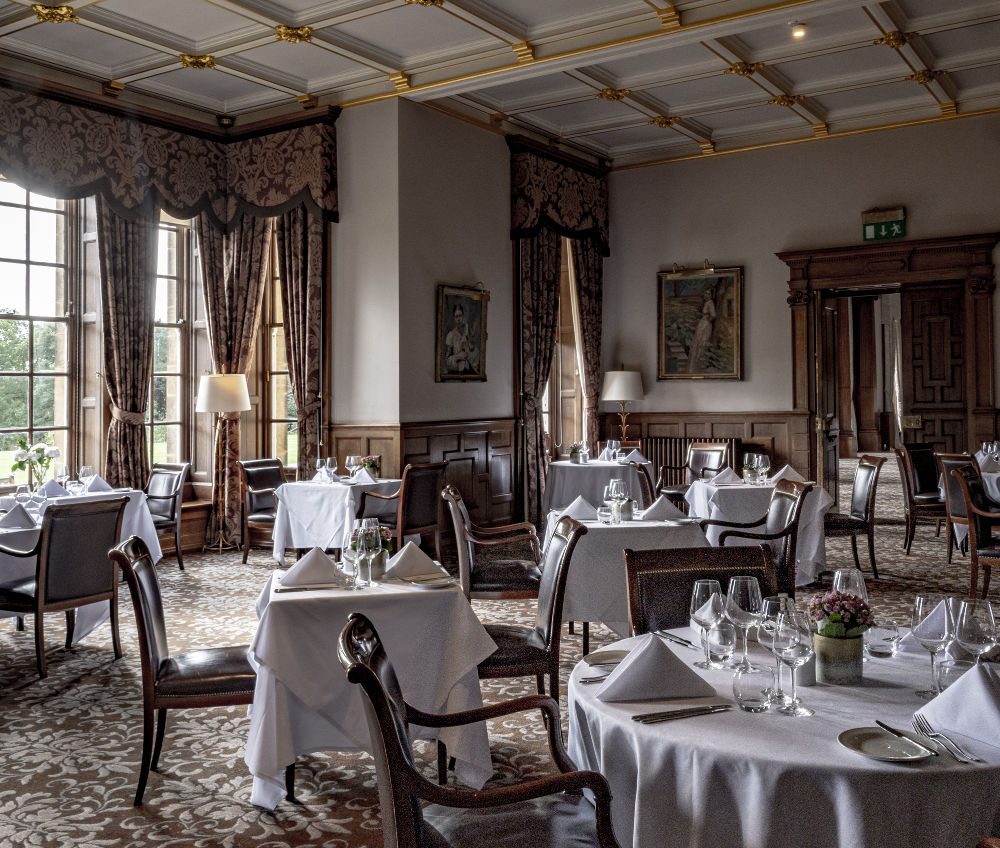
(223, 393)
(622, 387)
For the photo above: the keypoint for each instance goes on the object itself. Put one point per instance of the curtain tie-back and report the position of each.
(136, 419)
(311, 407)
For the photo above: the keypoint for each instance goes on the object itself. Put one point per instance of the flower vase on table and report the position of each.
(579, 453)
(841, 619)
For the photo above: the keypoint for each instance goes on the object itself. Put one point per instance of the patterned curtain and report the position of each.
(127, 251)
(538, 269)
(301, 240)
(234, 268)
(589, 266)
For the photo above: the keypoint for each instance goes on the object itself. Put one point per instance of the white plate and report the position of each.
(430, 582)
(677, 522)
(605, 657)
(878, 744)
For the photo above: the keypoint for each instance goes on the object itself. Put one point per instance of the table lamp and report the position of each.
(221, 394)
(622, 387)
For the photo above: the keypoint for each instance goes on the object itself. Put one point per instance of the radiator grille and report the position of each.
(672, 450)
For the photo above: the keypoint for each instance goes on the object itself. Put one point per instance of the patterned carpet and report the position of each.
(69, 745)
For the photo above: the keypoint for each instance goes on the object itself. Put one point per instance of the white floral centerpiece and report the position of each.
(36, 459)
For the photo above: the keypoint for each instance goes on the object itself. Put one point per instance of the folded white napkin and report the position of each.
(314, 569)
(580, 509)
(786, 472)
(970, 706)
(987, 463)
(909, 644)
(652, 671)
(51, 489)
(98, 484)
(411, 561)
(17, 517)
(604, 456)
(661, 510)
(727, 475)
(365, 476)
(636, 456)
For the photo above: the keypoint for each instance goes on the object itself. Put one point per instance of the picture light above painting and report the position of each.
(699, 324)
(461, 334)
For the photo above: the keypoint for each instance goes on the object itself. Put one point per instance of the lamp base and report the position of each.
(623, 416)
(219, 546)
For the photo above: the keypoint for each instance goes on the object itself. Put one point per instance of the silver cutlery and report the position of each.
(677, 640)
(899, 734)
(685, 712)
(957, 751)
(596, 679)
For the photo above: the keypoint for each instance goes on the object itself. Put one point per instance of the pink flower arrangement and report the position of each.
(840, 616)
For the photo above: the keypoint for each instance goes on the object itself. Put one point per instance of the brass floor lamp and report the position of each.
(221, 394)
(622, 387)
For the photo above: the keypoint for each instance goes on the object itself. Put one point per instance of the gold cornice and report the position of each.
(525, 52)
(293, 35)
(424, 2)
(112, 88)
(895, 39)
(923, 76)
(308, 101)
(820, 129)
(198, 63)
(669, 18)
(613, 94)
(54, 14)
(706, 147)
(786, 100)
(744, 69)
(662, 121)
(400, 80)
(949, 107)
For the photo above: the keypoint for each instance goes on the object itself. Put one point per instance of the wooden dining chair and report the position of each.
(925, 507)
(209, 677)
(541, 811)
(71, 569)
(984, 546)
(164, 496)
(704, 460)
(660, 580)
(499, 578)
(646, 493)
(261, 479)
(954, 500)
(418, 503)
(861, 518)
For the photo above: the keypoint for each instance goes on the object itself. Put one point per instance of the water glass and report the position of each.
(604, 514)
(331, 467)
(793, 645)
(753, 689)
(770, 609)
(22, 495)
(62, 475)
(948, 671)
(86, 475)
(613, 447)
(720, 643)
(932, 625)
(882, 639)
(763, 468)
(321, 471)
(353, 463)
(369, 547)
(975, 626)
(743, 603)
(706, 611)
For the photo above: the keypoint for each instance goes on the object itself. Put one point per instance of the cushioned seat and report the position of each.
(261, 479)
(261, 518)
(164, 496)
(861, 519)
(521, 576)
(517, 645)
(920, 504)
(418, 503)
(984, 546)
(22, 590)
(209, 671)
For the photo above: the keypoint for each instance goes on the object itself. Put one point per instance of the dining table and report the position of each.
(739, 501)
(136, 520)
(303, 701)
(597, 586)
(568, 480)
(767, 780)
(320, 514)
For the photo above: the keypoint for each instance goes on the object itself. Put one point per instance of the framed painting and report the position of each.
(461, 334)
(699, 324)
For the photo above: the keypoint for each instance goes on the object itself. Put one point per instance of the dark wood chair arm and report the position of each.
(160, 497)
(715, 522)
(506, 529)
(715, 469)
(736, 534)
(684, 467)
(985, 513)
(254, 491)
(366, 495)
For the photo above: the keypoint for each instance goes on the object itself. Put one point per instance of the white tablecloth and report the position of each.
(321, 515)
(566, 480)
(772, 781)
(597, 587)
(303, 701)
(739, 502)
(136, 520)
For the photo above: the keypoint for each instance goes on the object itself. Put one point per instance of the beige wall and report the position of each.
(742, 209)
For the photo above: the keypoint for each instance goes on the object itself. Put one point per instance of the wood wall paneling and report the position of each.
(368, 440)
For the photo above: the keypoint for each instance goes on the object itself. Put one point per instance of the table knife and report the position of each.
(685, 712)
(901, 735)
(670, 637)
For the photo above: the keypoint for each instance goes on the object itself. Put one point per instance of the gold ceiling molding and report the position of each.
(112, 88)
(744, 69)
(662, 121)
(787, 100)
(707, 146)
(293, 35)
(669, 17)
(308, 101)
(400, 80)
(949, 108)
(198, 63)
(424, 2)
(821, 129)
(55, 14)
(895, 39)
(497, 119)
(613, 94)
(525, 52)
(924, 76)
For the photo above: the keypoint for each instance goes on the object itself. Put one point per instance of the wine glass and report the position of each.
(933, 627)
(608, 500)
(353, 463)
(369, 547)
(975, 626)
(770, 609)
(743, 604)
(331, 467)
(62, 475)
(763, 467)
(321, 470)
(850, 581)
(86, 476)
(750, 461)
(706, 611)
(613, 447)
(792, 643)
(22, 495)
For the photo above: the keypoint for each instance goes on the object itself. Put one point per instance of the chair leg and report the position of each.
(911, 531)
(161, 726)
(19, 625)
(540, 681)
(177, 546)
(115, 637)
(986, 580)
(442, 763)
(290, 782)
(147, 751)
(854, 550)
(586, 638)
(40, 643)
(871, 550)
(246, 542)
(951, 540)
(70, 627)
(554, 684)
(570, 630)
(938, 532)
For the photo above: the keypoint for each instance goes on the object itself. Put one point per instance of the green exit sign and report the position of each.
(883, 224)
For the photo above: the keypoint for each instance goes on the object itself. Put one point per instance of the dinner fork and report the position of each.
(921, 725)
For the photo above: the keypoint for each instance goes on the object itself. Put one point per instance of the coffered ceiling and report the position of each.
(630, 81)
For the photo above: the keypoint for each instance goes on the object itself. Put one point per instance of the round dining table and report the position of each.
(771, 781)
(568, 480)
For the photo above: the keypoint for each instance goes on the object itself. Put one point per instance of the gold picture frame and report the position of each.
(460, 351)
(699, 318)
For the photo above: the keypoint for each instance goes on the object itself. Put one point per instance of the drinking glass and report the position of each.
(86, 475)
(706, 611)
(743, 604)
(62, 475)
(349, 564)
(613, 447)
(720, 643)
(618, 495)
(604, 514)
(763, 467)
(933, 627)
(850, 581)
(608, 500)
(321, 470)
(770, 609)
(331, 466)
(975, 626)
(753, 689)
(22, 495)
(750, 461)
(882, 638)
(948, 671)
(369, 547)
(353, 463)
(793, 645)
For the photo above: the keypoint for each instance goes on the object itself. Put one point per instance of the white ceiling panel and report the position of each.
(79, 45)
(192, 22)
(846, 68)
(205, 86)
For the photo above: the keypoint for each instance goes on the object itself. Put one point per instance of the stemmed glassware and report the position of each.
(975, 626)
(743, 604)
(763, 467)
(353, 463)
(750, 461)
(62, 475)
(331, 467)
(771, 608)
(321, 470)
(792, 643)
(369, 547)
(22, 495)
(86, 475)
(850, 581)
(706, 611)
(619, 494)
(613, 446)
(933, 627)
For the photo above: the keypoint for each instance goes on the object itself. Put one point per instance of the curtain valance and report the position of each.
(571, 201)
(71, 151)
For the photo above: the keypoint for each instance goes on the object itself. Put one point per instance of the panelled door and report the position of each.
(935, 406)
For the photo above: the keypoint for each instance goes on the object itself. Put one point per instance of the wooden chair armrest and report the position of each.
(763, 537)
(160, 497)
(715, 469)
(251, 492)
(683, 467)
(715, 522)
(511, 529)
(366, 495)
(984, 513)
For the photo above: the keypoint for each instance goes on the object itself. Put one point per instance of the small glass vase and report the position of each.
(839, 662)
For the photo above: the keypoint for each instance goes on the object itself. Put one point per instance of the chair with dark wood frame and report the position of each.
(71, 569)
(418, 503)
(779, 524)
(261, 479)
(528, 812)
(954, 499)
(164, 496)
(704, 460)
(501, 578)
(646, 492)
(660, 581)
(925, 507)
(210, 677)
(861, 518)
(984, 547)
